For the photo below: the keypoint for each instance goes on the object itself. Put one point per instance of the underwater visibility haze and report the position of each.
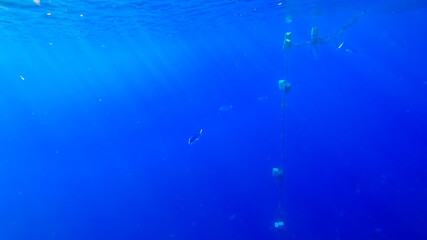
(198, 119)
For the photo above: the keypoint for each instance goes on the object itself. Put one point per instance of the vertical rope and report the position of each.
(283, 111)
(284, 85)
(282, 167)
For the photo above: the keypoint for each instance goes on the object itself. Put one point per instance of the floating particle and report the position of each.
(22, 77)
(279, 4)
(48, 14)
(36, 2)
(279, 224)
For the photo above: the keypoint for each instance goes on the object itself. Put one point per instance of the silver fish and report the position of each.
(195, 137)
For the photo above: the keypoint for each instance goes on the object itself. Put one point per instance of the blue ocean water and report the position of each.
(98, 100)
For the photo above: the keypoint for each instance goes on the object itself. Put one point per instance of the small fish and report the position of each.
(226, 108)
(262, 99)
(195, 137)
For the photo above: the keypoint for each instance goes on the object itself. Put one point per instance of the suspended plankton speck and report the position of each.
(279, 4)
(48, 14)
(36, 2)
(22, 77)
(81, 15)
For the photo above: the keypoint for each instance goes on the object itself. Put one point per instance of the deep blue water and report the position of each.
(98, 100)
